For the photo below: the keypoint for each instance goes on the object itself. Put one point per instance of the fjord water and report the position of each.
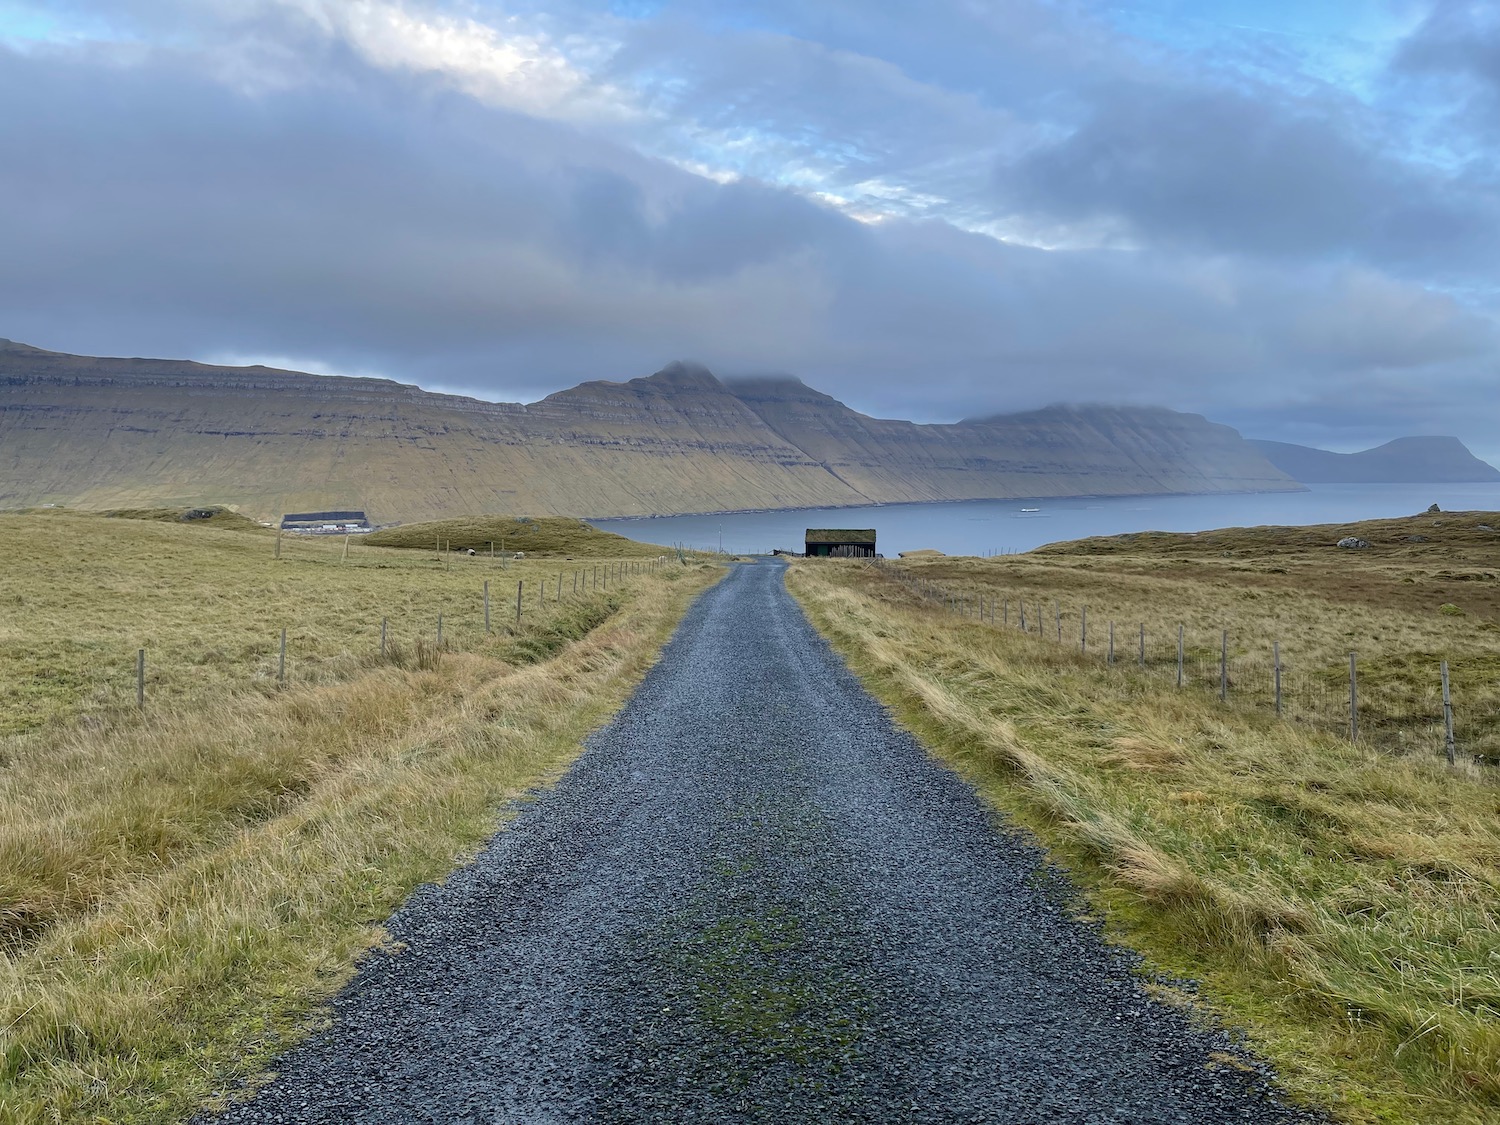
(977, 527)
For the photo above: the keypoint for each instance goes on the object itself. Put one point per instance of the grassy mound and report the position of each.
(1431, 533)
(221, 518)
(540, 536)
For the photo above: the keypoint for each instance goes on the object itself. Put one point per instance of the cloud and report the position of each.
(1222, 171)
(1459, 38)
(988, 208)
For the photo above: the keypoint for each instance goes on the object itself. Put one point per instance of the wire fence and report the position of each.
(1411, 703)
(499, 609)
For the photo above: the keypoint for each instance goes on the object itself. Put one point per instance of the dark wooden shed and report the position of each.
(840, 543)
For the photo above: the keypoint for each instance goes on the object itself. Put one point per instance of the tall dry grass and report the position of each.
(80, 594)
(1402, 607)
(179, 889)
(1339, 902)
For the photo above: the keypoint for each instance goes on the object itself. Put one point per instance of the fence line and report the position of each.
(1411, 714)
(580, 583)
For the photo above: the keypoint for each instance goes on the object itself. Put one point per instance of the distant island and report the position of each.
(1407, 460)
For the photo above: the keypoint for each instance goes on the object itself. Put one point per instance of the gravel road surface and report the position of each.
(754, 898)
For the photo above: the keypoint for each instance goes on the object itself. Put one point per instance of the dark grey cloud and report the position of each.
(1459, 38)
(265, 187)
(1222, 170)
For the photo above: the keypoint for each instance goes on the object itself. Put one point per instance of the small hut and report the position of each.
(840, 543)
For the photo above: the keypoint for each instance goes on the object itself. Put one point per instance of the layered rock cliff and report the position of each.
(87, 432)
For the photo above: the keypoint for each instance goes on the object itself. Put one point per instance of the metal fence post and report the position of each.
(1143, 645)
(519, 584)
(487, 628)
(1179, 655)
(1083, 630)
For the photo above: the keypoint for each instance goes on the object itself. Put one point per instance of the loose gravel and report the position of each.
(754, 898)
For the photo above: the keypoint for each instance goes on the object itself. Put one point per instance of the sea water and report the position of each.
(982, 527)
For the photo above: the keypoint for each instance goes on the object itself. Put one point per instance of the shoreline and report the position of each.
(1301, 488)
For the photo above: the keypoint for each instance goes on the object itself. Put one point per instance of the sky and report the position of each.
(1282, 214)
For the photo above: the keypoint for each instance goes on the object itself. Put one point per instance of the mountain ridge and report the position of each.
(1404, 460)
(97, 432)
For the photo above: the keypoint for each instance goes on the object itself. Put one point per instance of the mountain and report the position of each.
(1408, 460)
(104, 433)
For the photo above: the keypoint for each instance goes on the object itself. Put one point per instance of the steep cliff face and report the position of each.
(90, 432)
(1060, 451)
(1408, 460)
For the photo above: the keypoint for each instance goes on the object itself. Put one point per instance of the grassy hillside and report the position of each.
(535, 536)
(1340, 901)
(179, 886)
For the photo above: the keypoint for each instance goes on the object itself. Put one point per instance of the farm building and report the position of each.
(326, 523)
(840, 543)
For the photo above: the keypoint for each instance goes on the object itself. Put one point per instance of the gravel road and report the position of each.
(754, 898)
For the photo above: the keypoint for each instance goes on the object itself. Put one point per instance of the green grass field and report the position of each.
(181, 886)
(1340, 901)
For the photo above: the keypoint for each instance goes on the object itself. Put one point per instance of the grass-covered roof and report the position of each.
(840, 535)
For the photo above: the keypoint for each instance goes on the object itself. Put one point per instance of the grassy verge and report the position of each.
(180, 890)
(1340, 903)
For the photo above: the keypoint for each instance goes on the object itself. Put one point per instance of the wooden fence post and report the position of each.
(281, 661)
(440, 629)
(519, 584)
(1276, 673)
(140, 679)
(277, 555)
(1449, 748)
(382, 639)
(1143, 644)
(1353, 701)
(1111, 658)
(1057, 615)
(1179, 655)
(559, 587)
(345, 556)
(1083, 630)
(1224, 667)
(1005, 612)
(487, 628)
